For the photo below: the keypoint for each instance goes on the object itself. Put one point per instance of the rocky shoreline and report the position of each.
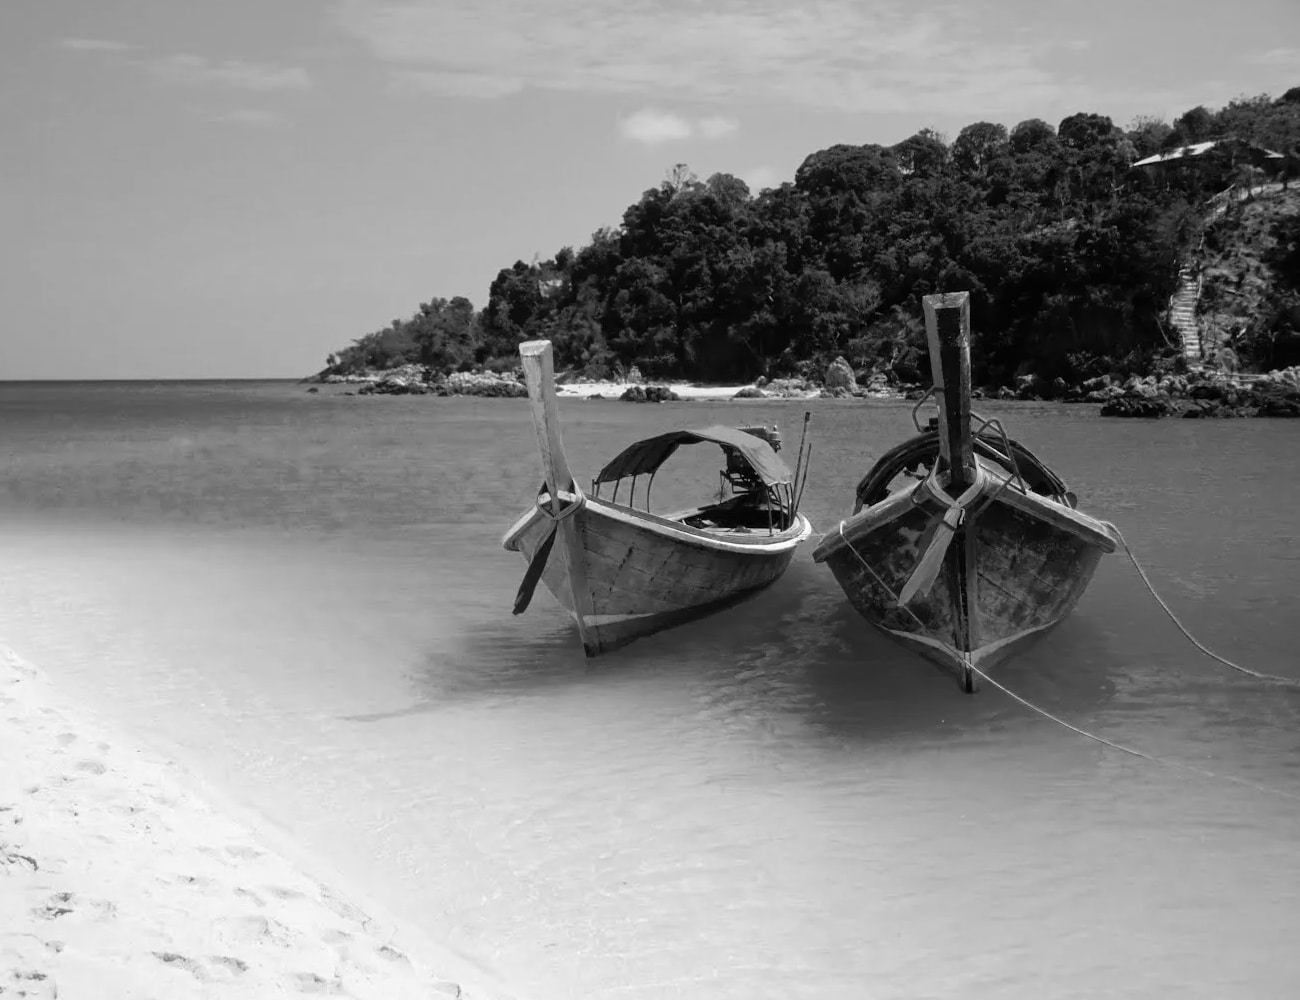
(420, 380)
(1205, 393)
(1193, 394)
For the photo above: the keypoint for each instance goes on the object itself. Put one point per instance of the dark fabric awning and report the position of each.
(646, 456)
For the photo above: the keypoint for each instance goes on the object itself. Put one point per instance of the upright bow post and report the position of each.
(539, 374)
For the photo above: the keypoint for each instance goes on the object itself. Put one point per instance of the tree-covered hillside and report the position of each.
(1069, 251)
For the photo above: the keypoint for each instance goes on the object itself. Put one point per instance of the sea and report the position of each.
(303, 599)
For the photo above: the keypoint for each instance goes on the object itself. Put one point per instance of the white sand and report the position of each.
(118, 881)
(612, 390)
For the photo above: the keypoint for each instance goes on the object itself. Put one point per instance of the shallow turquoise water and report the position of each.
(304, 598)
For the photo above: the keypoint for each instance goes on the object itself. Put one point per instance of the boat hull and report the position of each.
(646, 573)
(1017, 566)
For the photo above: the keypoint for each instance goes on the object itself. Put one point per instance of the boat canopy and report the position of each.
(646, 456)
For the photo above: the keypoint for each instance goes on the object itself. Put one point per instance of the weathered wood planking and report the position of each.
(625, 573)
(1018, 562)
(646, 580)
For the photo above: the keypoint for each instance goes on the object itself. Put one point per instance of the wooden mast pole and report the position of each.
(539, 374)
(947, 328)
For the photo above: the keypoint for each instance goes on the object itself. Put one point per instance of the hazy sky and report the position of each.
(235, 188)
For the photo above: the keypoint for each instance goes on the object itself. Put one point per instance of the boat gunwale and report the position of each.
(1085, 526)
(758, 543)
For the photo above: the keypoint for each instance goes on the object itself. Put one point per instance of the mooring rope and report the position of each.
(1203, 772)
(1274, 678)
(1129, 750)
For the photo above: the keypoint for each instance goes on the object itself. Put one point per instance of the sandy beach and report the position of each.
(118, 880)
(612, 390)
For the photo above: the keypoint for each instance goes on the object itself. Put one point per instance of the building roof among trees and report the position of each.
(1201, 148)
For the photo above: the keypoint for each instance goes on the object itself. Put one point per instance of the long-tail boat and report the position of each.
(962, 543)
(623, 571)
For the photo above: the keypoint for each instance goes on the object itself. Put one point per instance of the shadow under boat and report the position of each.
(963, 545)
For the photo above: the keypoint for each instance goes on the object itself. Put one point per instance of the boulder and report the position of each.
(839, 375)
(1138, 406)
(796, 388)
(482, 384)
(393, 387)
(1275, 399)
(750, 392)
(836, 392)
(648, 394)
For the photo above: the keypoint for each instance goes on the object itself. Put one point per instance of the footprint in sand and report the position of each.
(175, 961)
(91, 767)
(309, 982)
(66, 738)
(63, 903)
(280, 893)
(58, 905)
(243, 853)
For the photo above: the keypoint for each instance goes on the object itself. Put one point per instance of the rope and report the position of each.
(1275, 678)
(576, 504)
(876, 576)
(1203, 772)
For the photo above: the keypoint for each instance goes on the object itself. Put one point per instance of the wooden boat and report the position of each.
(624, 572)
(962, 544)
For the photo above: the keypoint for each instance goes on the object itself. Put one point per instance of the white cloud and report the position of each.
(652, 126)
(201, 71)
(848, 55)
(250, 117)
(94, 45)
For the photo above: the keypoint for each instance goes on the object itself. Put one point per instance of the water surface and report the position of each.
(304, 598)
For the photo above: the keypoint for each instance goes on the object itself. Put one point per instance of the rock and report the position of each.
(1103, 395)
(750, 392)
(797, 388)
(1174, 385)
(835, 392)
(483, 384)
(648, 394)
(1284, 376)
(760, 381)
(839, 375)
(314, 389)
(1138, 406)
(1004, 392)
(393, 387)
(1275, 399)
(1096, 384)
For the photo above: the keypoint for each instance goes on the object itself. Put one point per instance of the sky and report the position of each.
(233, 189)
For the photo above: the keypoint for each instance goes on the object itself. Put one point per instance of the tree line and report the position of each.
(1069, 252)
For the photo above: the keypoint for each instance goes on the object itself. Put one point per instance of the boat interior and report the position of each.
(752, 506)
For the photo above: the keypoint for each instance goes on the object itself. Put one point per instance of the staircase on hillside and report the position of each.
(1182, 313)
(1182, 304)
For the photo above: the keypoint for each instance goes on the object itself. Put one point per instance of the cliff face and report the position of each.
(1250, 303)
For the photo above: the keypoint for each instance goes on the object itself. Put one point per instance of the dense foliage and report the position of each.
(1069, 253)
